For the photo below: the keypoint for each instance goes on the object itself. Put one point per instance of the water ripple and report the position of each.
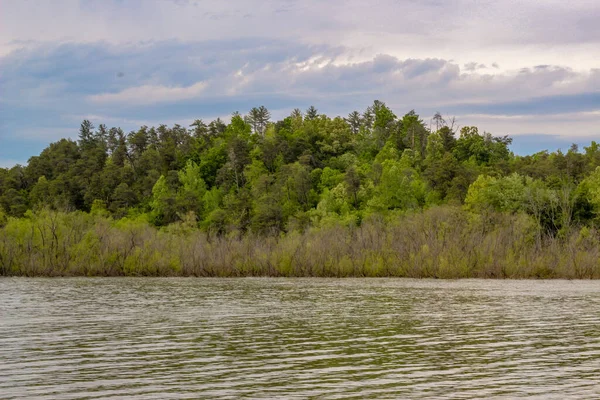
(299, 338)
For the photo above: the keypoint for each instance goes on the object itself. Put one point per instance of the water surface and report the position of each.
(122, 338)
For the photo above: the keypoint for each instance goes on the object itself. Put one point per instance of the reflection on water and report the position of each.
(298, 338)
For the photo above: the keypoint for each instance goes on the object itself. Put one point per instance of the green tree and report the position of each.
(354, 121)
(192, 190)
(312, 113)
(506, 194)
(353, 185)
(163, 203)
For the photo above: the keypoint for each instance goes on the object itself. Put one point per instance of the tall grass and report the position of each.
(442, 242)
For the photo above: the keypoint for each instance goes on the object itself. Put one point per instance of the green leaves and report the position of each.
(507, 194)
(400, 187)
(269, 177)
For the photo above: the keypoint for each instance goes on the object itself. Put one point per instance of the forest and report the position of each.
(371, 194)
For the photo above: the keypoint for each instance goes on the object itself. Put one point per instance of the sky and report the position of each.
(529, 69)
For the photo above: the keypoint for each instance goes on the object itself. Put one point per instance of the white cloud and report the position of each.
(513, 33)
(574, 126)
(150, 94)
(103, 57)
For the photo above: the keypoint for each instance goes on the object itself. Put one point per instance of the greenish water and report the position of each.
(298, 338)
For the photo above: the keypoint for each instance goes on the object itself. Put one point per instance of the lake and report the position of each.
(156, 338)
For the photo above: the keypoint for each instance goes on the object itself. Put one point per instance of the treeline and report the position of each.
(256, 181)
(440, 242)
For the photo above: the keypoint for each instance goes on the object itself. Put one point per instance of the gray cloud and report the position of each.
(86, 78)
(502, 64)
(515, 30)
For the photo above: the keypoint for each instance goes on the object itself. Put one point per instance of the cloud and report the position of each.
(501, 64)
(150, 94)
(474, 66)
(554, 105)
(570, 127)
(512, 32)
(172, 79)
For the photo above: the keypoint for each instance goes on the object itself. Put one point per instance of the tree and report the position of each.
(163, 203)
(216, 127)
(101, 136)
(589, 190)
(353, 185)
(414, 133)
(40, 193)
(311, 113)
(400, 187)
(120, 152)
(367, 119)
(272, 177)
(200, 129)
(438, 121)
(354, 120)
(258, 118)
(295, 183)
(237, 159)
(383, 122)
(269, 216)
(123, 198)
(296, 114)
(483, 149)
(87, 138)
(138, 143)
(192, 190)
(447, 136)
(507, 194)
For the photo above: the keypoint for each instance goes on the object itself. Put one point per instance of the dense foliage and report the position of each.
(254, 177)
(440, 242)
